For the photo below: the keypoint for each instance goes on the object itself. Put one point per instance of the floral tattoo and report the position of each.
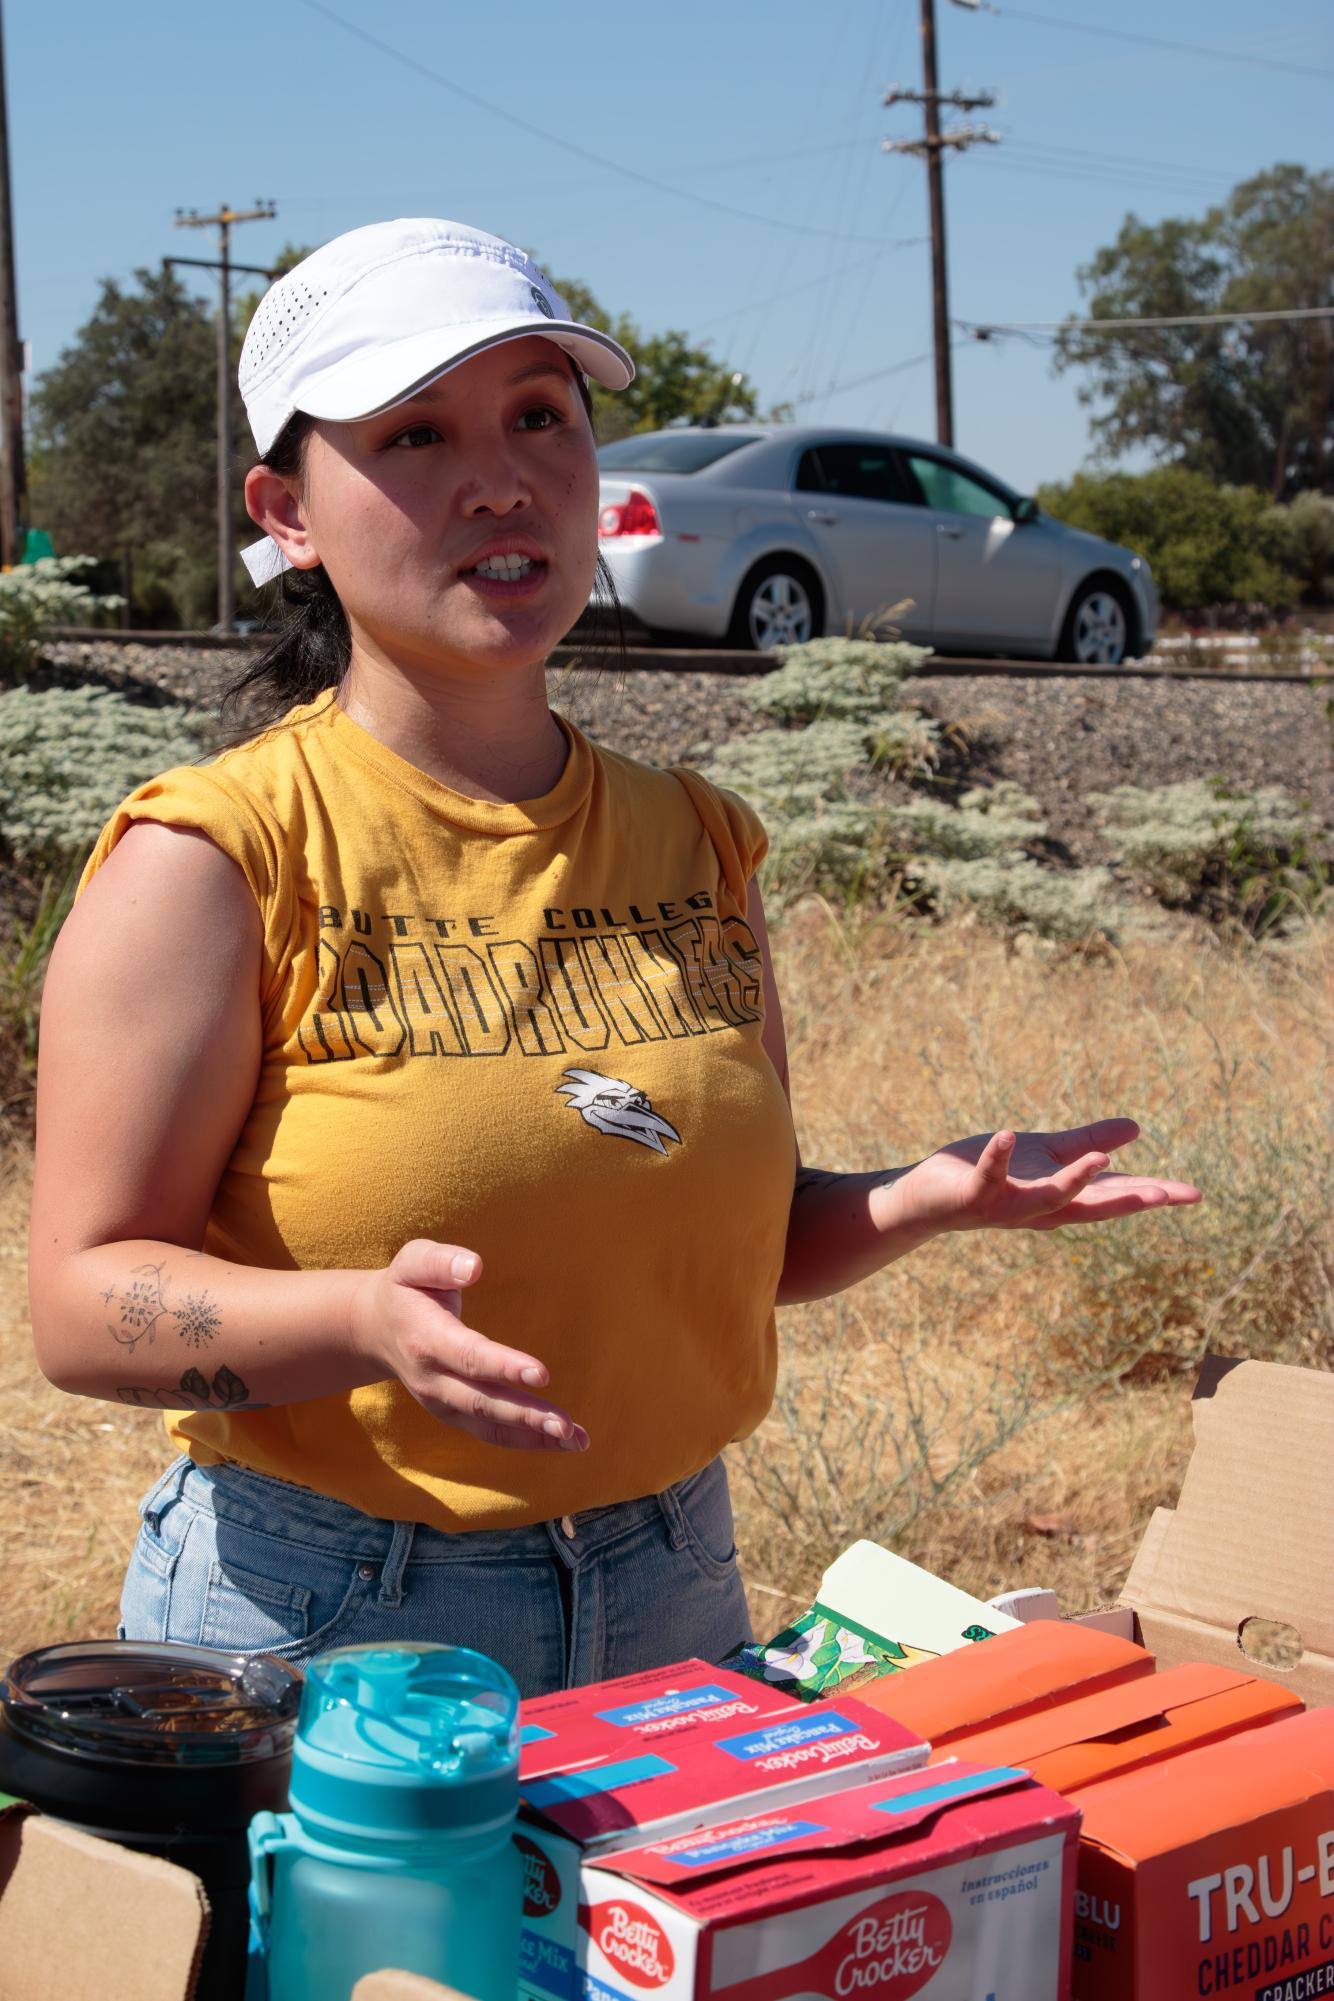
(143, 1305)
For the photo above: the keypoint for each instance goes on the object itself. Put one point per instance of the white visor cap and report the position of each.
(366, 320)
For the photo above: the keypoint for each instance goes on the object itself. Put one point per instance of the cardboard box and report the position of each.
(955, 1885)
(875, 1615)
(609, 1719)
(86, 1920)
(1251, 1536)
(1015, 1675)
(603, 1792)
(599, 1783)
(1140, 1723)
(1213, 1875)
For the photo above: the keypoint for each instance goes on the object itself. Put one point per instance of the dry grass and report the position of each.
(984, 1380)
(995, 1377)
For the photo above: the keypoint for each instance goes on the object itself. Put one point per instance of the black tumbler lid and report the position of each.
(136, 1702)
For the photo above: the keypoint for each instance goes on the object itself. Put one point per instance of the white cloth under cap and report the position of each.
(367, 319)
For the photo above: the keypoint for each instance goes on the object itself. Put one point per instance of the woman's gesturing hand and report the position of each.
(409, 1317)
(1029, 1181)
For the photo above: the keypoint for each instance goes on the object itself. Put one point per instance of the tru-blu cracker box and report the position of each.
(656, 1755)
(953, 1884)
(1213, 1875)
(1142, 1722)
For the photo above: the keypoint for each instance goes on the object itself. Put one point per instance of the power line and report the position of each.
(981, 329)
(860, 381)
(1155, 42)
(617, 167)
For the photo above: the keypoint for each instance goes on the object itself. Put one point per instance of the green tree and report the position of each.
(123, 430)
(674, 382)
(1207, 544)
(1250, 403)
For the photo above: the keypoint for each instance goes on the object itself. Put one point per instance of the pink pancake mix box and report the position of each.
(689, 1834)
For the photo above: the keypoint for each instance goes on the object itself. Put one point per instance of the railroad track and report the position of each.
(704, 660)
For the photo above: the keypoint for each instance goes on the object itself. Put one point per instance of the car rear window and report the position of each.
(672, 451)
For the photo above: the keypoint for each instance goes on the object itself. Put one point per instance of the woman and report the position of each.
(415, 995)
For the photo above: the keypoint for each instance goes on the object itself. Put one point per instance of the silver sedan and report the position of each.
(762, 535)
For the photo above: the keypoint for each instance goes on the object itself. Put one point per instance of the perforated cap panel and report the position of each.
(285, 307)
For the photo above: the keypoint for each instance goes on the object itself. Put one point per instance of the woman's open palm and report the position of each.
(1033, 1181)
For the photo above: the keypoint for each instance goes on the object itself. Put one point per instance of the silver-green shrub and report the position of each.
(857, 678)
(36, 596)
(1250, 851)
(68, 756)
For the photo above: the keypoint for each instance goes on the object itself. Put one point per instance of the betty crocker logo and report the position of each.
(632, 1941)
(541, 1884)
(890, 1952)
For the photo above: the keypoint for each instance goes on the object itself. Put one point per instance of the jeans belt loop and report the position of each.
(391, 1576)
(675, 1519)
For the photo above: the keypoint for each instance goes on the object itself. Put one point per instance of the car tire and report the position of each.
(780, 603)
(1100, 627)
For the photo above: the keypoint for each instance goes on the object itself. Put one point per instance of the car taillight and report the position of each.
(635, 515)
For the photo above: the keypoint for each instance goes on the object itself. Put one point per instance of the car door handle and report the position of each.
(951, 534)
(814, 514)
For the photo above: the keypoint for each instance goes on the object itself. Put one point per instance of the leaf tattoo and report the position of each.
(225, 1392)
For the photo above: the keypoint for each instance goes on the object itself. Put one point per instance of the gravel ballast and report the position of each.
(1060, 737)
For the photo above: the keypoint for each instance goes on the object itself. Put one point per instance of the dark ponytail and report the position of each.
(310, 645)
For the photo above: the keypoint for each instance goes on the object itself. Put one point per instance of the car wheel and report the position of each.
(1098, 625)
(779, 604)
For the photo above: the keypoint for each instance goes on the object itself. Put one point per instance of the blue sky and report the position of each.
(120, 115)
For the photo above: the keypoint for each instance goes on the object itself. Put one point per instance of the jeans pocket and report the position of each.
(261, 1594)
(704, 1508)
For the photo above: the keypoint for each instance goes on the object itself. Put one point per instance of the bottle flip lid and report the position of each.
(405, 1741)
(137, 1703)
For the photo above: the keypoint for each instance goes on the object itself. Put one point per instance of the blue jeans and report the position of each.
(233, 1559)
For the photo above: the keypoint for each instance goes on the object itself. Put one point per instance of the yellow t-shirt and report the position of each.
(530, 1029)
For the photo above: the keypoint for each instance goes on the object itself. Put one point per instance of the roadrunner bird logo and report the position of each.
(615, 1107)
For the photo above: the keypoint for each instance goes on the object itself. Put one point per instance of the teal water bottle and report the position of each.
(397, 1850)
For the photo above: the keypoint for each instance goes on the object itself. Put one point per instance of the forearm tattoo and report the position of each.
(145, 1306)
(142, 1307)
(225, 1392)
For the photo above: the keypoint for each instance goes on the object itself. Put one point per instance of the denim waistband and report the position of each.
(280, 1508)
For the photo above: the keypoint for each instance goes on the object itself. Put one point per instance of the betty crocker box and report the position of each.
(954, 1884)
(654, 1755)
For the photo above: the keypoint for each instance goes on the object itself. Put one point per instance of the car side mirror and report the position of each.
(1025, 510)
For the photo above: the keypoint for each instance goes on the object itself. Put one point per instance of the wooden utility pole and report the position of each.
(12, 479)
(222, 222)
(932, 147)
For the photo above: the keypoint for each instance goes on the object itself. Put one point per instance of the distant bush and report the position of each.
(973, 856)
(1246, 855)
(860, 678)
(36, 596)
(836, 831)
(68, 756)
(1206, 544)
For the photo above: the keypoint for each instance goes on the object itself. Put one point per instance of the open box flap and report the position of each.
(87, 1920)
(1252, 1535)
(1207, 1791)
(1114, 1713)
(894, 1810)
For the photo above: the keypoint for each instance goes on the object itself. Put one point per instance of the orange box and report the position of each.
(1007, 1677)
(1214, 1874)
(1098, 1737)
